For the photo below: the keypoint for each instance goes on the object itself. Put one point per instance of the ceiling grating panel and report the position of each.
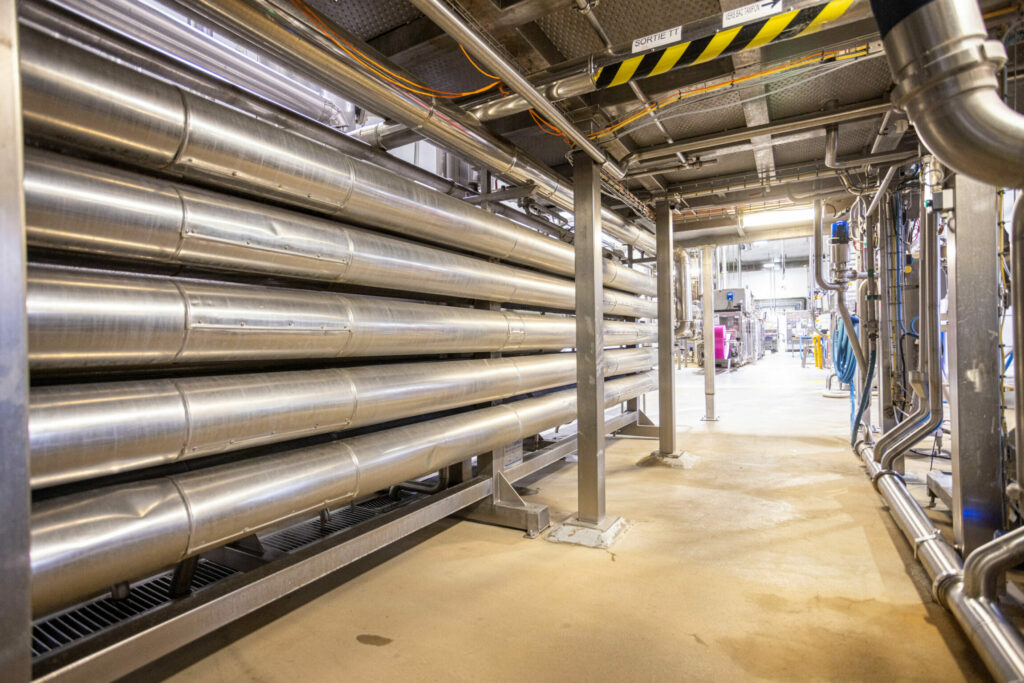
(367, 19)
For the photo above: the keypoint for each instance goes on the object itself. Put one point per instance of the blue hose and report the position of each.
(863, 399)
(845, 362)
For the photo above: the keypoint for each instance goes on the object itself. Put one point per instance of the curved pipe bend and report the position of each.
(945, 72)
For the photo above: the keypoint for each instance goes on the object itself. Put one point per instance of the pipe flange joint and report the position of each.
(877, 476)
(921, 540)
(964, 66)
(942, 585)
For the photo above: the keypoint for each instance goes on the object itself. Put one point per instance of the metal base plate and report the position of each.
(576, 532)
(677, 461)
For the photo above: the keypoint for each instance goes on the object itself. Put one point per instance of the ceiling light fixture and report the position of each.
(765, 219)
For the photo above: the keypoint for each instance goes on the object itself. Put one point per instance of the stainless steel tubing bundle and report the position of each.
(74, 99)
(84, 207)
(996, 638)
(84, 543)
(84, 431)
(298, 45)
(80, 318)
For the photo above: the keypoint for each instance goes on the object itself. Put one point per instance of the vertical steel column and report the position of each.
(666, 332)
(887, 418)
(15, 609)
(709, 336)
(589, 336)
(974, 366)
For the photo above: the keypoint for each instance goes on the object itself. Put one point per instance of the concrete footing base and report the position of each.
(601, 535)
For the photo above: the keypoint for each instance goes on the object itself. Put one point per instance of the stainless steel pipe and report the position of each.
(945, 69)
(89, 208)
(994, 636)
(297, 44)
(83, 431)
(450, 22)
(75, 99)
(81, 318)
(839, 289)
(84, 543)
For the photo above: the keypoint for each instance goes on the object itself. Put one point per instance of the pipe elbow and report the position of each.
(986, 564)
(976, 134)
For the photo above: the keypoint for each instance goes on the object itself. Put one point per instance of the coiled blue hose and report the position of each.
(845, 363)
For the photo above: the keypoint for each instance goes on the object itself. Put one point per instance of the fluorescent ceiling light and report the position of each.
(766, 219)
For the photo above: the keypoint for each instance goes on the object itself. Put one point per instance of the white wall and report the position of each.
(793, 284)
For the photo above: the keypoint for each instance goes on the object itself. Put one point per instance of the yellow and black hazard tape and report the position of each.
(792, 24)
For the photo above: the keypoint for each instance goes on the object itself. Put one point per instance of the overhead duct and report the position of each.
(74, 99)
(81, 319)
(945, 72)
(83, 431)
(88, 208)
(85, 543)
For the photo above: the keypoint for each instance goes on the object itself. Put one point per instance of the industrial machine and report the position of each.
(743, 327)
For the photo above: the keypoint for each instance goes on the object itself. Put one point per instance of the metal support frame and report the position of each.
(505, 507)
(589, 340)
(666, 333)
(974, 366)
(709, 335)
(15, 610)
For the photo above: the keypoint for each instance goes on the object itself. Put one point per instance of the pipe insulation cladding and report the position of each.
(82, 207)
(73, 99)
(84, 431)
(86, 319)
(84, 543)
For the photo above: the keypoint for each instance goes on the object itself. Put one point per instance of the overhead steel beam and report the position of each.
(792, 125)
(699, 42)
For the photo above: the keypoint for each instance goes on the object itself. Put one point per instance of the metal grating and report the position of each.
(90, 618)
(304, 533)
(367, 19)
(862, 81)
(64, 628)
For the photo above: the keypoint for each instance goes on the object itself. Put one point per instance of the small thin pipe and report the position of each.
(442, 15)
(1017, 266)
(882, 189)
(844, 312)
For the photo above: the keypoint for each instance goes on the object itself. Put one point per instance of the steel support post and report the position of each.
(974, 366)
(666, 333)
(887, 419)
(709, 335)
(15, 609)
(589, 336)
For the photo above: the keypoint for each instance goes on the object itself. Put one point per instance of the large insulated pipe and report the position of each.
(81, 319)
(88, 208)
(945, 69)
(75, 99)
(298, 44)
(83, 431)
(84, 543)
(994, 636)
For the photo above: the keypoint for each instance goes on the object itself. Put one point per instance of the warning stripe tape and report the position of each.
(792, 24)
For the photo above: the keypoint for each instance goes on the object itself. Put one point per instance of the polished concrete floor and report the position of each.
(770, 558)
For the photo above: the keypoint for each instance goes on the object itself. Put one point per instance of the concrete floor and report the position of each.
(772, 558)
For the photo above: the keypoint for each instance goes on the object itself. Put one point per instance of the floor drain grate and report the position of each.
(89, 618)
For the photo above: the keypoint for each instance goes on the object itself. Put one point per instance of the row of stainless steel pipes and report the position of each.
(186, 255)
